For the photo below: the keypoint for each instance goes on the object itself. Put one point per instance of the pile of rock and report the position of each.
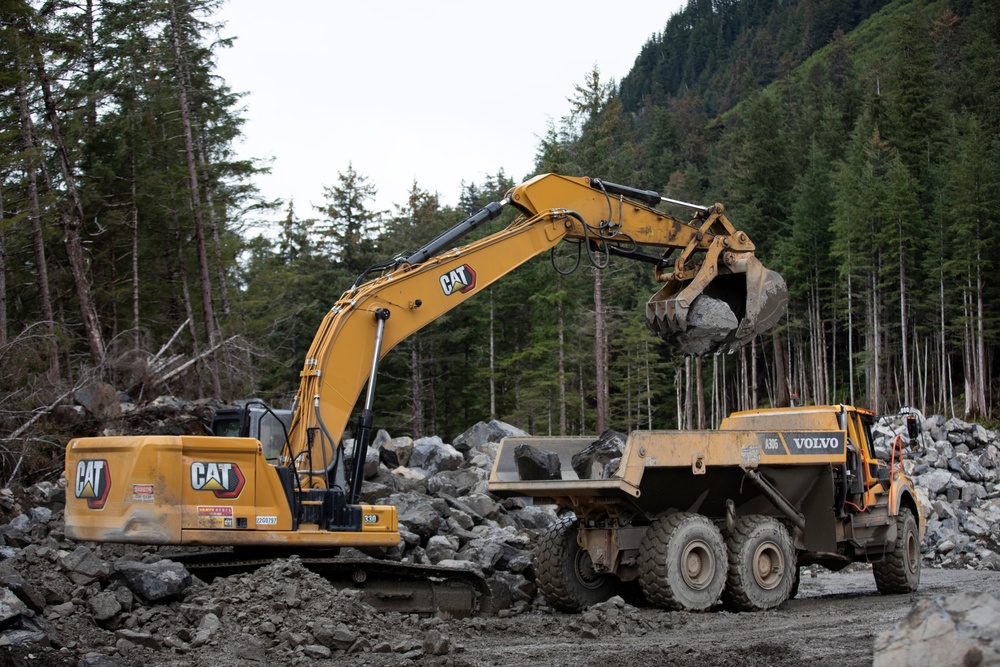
(956, 469)
(124, 596)
(67, 599)
(446, 514)
(956, 630)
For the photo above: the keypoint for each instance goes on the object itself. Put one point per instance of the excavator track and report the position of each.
(388, 586)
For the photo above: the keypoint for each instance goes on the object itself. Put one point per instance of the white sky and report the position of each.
(437, 91)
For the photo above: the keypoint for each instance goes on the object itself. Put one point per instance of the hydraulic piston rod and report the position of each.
(367, 417)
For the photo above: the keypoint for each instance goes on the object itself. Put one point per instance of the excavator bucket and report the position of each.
(722, 315)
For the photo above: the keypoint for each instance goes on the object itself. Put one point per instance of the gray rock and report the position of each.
(207, 628)
(435, 643)
(104, 606)
(442, 547)
(25, 592)
(11, 609)
(317, 651)
(710, 321)
(24, 637)
(455, 483)
(139, 638)
(935, 481)
(63, 610)
(101, 660)
(99, 399)
(372, 458)
(396, 452)
(593, 461)
(47, 494)
(957, 631)
(433, 455)
(418, 513)
(514, 559)
(534, 517)
(483, 552)
(521, 589)
(535, 464)
(16, 532)
(480, 505)
(154, 582)
(338, 637)
(484, 433)
(83, 566)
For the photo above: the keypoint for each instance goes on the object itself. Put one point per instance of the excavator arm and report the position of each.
(374, 316)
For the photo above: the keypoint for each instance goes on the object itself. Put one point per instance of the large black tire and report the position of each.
(761, 564)
(899, 569)
(564, 572)
(682, 562)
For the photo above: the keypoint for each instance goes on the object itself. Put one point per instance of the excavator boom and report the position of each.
(716, 297)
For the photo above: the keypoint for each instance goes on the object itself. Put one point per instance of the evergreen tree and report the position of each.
(349, 228)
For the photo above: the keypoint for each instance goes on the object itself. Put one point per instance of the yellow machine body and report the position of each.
(194, 490)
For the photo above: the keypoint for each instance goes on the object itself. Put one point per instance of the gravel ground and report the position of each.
(285, 615)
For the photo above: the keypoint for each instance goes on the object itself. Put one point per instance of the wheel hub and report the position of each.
(585, 572)
(697, 564)
(768, 565)
(912, 552)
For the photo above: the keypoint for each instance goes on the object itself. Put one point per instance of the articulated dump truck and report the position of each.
(699, 517)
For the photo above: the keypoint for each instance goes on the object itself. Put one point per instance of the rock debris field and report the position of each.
(94, 605)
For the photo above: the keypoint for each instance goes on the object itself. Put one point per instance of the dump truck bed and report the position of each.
(681, 470)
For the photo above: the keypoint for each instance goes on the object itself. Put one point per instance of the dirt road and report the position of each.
(834, 620)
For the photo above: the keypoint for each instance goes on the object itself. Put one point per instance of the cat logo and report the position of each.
(226, 480)
(461, 280)
(93, 482)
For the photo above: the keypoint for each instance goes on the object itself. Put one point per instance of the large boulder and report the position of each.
(100, 400)
(83, 566)
(601, 458)
(433, 455)
(476, 438)
(396, 452)
(161, 581)
(535, 464)
(958, 630)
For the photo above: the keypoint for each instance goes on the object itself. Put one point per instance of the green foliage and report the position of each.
(854, 142)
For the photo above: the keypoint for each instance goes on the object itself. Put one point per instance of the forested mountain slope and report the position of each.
(855, 142)
(712, 48)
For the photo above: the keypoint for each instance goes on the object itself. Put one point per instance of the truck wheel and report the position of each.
(795, 583)
(564, 572)
(761, 564)
(899, 569)
(682, 562)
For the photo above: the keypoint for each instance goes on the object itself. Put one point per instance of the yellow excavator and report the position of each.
(226, 491)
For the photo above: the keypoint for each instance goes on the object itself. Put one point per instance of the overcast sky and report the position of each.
(437, 91)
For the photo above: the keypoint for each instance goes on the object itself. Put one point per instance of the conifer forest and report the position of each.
(857, 142)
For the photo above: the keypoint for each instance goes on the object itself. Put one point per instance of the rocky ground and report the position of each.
(85, 604)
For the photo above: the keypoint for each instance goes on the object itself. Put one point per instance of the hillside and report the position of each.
(711, 49)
